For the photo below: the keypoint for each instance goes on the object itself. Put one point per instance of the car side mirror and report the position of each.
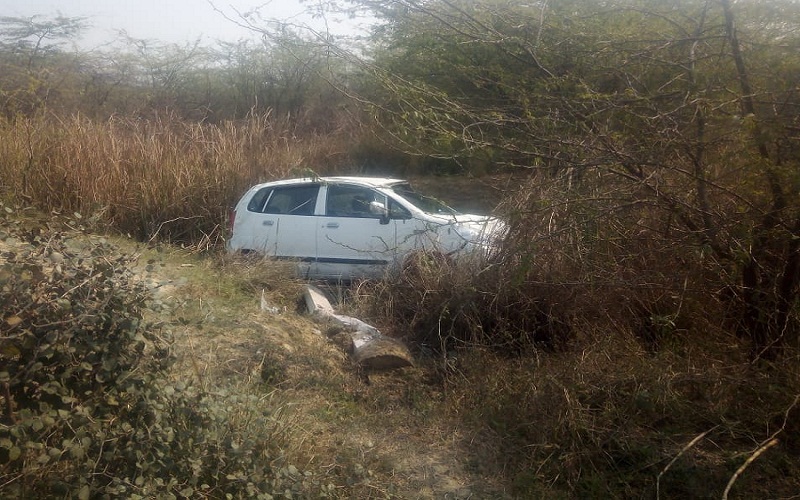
(379, 209)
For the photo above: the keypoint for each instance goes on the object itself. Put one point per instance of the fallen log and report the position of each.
(368, 347)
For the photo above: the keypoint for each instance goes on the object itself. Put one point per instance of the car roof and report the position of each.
(374, 182)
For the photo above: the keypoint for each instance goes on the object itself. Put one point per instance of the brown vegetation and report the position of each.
(154, 178)
(634, 335)
(601, 364)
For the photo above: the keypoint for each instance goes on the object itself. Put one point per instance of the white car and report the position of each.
(345, 228)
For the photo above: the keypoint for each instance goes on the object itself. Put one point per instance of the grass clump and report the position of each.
(440, 303)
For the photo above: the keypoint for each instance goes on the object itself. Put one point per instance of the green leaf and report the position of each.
(77, 451)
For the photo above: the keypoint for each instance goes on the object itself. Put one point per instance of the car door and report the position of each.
(256, 230)
(293, 208)
(410, 231)
(281, 222)
(355, 237)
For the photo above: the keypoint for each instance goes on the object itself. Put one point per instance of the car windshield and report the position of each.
(425, 203)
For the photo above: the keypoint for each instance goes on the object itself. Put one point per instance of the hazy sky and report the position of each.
(173, 21)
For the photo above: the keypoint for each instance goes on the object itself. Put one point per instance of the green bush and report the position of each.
(88, 409)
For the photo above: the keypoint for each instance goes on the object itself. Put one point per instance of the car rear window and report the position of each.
(289, 200)
(259, 199)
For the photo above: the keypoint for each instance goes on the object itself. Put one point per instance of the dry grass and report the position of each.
(584, 359)
(604, 421)
(159, 177)
(606, 416)
(385, 437)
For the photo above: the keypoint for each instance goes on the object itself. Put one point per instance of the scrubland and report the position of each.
(584, 360)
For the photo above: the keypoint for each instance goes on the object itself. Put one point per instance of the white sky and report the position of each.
(170, 21)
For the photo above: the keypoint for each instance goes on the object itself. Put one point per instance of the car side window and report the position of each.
(398, 211)
(259, 199)
(352, 201)
(288, 200)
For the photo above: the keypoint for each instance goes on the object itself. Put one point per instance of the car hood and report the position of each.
(481, 229)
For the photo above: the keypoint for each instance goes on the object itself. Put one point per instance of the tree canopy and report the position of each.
(687, 110)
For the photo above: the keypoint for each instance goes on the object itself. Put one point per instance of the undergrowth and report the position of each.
(612, 421)
(592, 358)
(88, 407)
(573, 405)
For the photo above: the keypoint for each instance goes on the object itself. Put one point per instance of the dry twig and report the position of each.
(761, 449)
(767, 444)
(676, 457)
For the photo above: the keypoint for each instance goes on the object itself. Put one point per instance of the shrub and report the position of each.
(441, 303)
(88, 408)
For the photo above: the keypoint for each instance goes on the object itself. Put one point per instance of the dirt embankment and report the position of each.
(376, 435)
(383, 432)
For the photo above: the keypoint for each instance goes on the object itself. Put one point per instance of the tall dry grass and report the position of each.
(157, 177)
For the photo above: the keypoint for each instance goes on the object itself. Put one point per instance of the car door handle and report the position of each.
(332, 225)
(267, 223)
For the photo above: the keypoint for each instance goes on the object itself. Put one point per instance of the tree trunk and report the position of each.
(770, 275)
